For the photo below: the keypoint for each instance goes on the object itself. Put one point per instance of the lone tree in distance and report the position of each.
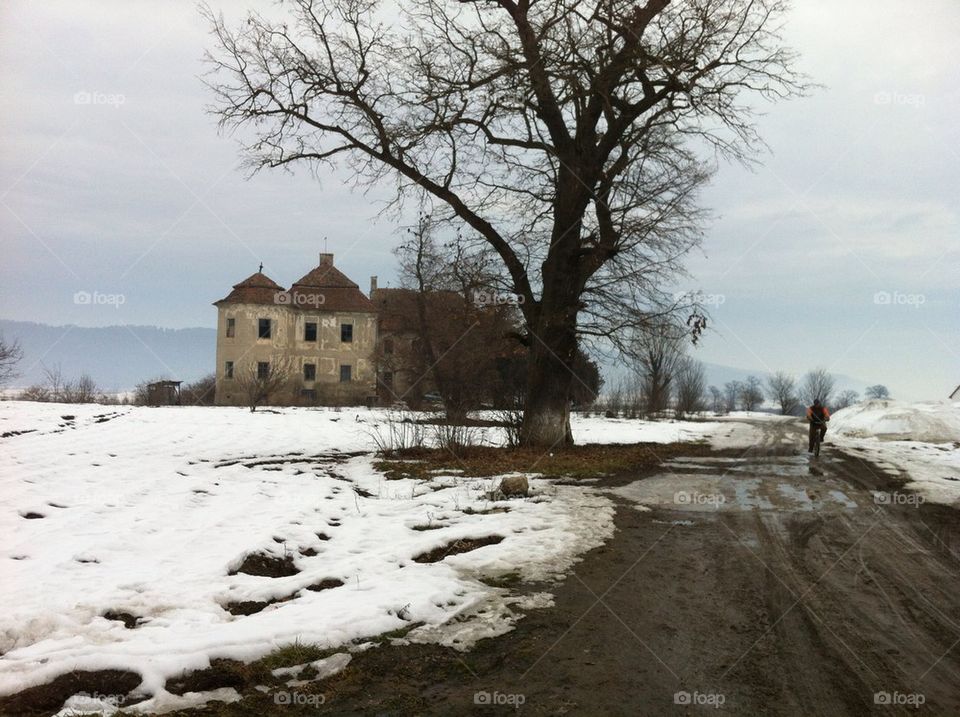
(564, 134)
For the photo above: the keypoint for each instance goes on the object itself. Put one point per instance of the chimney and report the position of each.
(373, 285)
(326, 259)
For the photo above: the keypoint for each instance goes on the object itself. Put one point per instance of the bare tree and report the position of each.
(259, 379)
(782, 390)
(845, 399)
(11, 353)
(716, 401)
(877, 391)
(691, 380)
(817, 384)
(83, 390)
(58, 388)
(751, 393)
(461, 332)
(562, 133)
(731, 394)
(659, 356)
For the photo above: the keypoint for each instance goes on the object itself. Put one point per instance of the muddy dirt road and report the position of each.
(756, 581)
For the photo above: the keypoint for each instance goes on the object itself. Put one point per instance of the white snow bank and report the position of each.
(916, 441)
(928, 422)
(146, 511)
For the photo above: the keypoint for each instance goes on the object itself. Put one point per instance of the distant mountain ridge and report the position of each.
(117, 357)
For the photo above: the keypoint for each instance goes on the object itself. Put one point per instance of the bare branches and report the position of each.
(11, 353)
(564, 134)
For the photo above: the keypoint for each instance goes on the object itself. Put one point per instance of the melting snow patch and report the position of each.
(221, 553)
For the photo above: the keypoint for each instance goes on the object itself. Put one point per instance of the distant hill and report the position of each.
(117, 357)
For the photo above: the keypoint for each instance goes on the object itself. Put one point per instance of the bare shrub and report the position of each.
(398, 432)
(454, 437)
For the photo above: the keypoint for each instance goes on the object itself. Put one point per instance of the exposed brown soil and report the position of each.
(464, 545)
(129, 621)
(268, 566)
(325, 584)
(221, 673)
(48, 698)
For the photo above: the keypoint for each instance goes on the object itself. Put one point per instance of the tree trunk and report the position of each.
(553, 349)
(546, 414)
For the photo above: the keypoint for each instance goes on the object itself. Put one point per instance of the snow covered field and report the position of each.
(148, 513)
(919, 441)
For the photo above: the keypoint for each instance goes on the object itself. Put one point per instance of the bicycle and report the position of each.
(817, 437)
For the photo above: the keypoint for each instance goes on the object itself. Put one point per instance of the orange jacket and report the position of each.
(826, 413)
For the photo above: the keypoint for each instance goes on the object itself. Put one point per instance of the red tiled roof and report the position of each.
(325, 288)
(337, 298)
(257, 288)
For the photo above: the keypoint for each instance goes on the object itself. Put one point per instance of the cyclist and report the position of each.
(817, 416)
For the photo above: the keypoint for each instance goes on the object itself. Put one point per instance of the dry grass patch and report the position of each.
(584, 461)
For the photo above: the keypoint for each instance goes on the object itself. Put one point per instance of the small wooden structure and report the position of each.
(163, 393)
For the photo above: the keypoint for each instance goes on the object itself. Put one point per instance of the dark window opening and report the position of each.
(387, 378)
(263, 369)
(346, 333)
(309, 372)
(263, 328)
(388, 346)
(310, 331)
(228, 369)
(231, 328)
(345, 374)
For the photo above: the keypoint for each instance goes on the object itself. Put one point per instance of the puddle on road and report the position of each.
(705, 485)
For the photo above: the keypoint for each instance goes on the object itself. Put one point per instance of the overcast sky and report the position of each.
(841, 250)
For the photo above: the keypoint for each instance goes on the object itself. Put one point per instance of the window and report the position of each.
(345, 373)
(346, 333)
(387, 379)
(310, 331)
(231, 328)
(263, 328)
(309, 372)
(263, 369)
(228, 369)
(388, 346)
